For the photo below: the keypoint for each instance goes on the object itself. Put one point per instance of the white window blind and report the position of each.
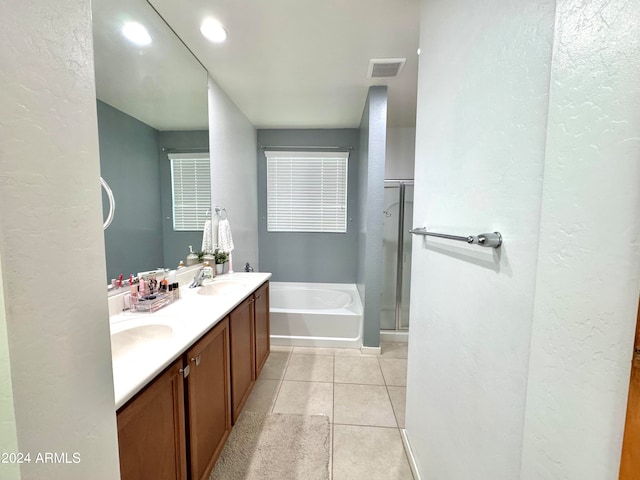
(191, 190)
(307, 191)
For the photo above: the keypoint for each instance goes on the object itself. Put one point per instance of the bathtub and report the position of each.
(315, 314)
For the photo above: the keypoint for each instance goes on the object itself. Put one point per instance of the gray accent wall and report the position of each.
(129, 164)
(176, 244)
(373, 131)
(133, 163)
(401, 149)
(302, 256)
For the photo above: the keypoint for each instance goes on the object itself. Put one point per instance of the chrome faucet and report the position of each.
(197, 280)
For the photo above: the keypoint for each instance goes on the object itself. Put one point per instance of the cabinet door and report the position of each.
(209, 414)
(151, 430)
(242, 355)
(263, 344)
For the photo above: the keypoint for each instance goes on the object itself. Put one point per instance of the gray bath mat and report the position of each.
(275, 447)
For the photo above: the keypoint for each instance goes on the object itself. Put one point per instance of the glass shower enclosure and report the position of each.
(398, 215)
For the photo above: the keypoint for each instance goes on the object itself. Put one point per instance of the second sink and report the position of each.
(221, 286)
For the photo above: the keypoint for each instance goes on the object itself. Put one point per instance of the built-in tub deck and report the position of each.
(315, 314)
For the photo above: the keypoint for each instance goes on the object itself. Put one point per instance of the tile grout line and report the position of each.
(365, 426)
(280, 384)
(386, 386)
(393, 408)
(333, 415)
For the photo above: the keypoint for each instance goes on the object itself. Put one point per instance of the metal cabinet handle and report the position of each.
(185, 371)
(197, 360)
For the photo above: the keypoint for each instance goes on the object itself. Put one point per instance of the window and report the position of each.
(307, 191)
(191, 190)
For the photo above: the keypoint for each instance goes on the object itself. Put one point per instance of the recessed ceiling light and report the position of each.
(136, 33)
(213, 30)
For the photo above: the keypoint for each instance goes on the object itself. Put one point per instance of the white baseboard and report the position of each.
(409, 452)
(371, 350)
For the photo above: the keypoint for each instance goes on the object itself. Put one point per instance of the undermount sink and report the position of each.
(221, 286)
(139, 337)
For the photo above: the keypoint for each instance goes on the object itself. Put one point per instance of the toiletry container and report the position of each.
(208, 257)
(207, 273)
(192, 258)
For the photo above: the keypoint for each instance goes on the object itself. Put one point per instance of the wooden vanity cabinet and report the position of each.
(261, 326)
(208, 400)
(243, 370)
(176, 427)
(151, 430)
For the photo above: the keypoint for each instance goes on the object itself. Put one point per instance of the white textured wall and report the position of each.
(234, 173)
(401, 149)
(482, 111)
(51, 241)
(588, 266)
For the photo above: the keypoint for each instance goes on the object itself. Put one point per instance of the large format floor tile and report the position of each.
(275, 366)
(362, 405)
(394, 371)
(263, 396)
(305, 398)
(398, 397)
(363, 395)
(310, 368)
(351, 352)
(362, 370)
(368, 453)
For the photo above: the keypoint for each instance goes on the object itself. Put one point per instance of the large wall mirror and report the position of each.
(151, 102)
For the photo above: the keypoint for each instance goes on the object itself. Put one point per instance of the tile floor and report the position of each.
(363, 396)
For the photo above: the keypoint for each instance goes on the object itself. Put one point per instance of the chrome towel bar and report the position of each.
(493, 240)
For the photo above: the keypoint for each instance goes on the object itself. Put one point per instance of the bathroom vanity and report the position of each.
(181, 387)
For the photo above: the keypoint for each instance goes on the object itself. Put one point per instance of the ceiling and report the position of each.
(286, 63)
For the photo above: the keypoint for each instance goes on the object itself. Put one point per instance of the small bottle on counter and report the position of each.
(207, 273)
(143, 289)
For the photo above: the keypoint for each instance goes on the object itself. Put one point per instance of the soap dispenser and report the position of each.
(207, 273)
(192, 258)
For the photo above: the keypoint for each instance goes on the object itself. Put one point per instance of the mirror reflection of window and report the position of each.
(191, 190)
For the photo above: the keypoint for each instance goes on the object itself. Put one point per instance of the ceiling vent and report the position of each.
(385, 67)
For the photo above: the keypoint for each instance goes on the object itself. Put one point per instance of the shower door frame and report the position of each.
(400, 184)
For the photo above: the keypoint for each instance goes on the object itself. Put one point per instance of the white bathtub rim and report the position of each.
(354, 307)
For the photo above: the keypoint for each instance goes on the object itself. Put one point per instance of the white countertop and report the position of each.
(139, 358)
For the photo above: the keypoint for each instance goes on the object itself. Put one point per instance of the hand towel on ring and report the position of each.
(207, 237)
(225, 240)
